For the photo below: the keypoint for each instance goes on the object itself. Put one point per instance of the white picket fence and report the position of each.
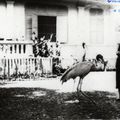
(15, 66)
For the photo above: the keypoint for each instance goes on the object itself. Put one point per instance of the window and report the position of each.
(47, 27)
(96, 26)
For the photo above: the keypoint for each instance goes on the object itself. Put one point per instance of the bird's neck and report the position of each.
(93, 68)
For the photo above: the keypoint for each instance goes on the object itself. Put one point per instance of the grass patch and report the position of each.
(24, 104)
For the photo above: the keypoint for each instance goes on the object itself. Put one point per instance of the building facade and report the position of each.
(70, 22)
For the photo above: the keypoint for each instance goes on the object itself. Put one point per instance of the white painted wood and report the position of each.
(62, 28)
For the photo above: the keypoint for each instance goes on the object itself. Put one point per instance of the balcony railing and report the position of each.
(9, 48)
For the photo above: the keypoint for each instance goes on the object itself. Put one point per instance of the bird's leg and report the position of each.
(74, 85)
(81, 84)
(78, 88)
(84, 93)
(78, 85)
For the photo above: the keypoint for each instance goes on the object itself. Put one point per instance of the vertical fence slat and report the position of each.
(12, 67)
(8, 68)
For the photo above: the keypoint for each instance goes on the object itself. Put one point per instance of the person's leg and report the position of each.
(118, 99)
(118, 93)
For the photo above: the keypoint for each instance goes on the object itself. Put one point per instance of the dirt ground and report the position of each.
(45, 104)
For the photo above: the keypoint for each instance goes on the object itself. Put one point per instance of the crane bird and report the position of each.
(80, 70)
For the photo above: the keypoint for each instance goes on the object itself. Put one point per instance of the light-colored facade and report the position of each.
(87, 21)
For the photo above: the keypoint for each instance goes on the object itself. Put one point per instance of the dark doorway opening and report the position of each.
(47, 27)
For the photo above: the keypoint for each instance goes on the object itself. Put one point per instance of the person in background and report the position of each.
(118, 71)
(34, 37)
(57, 49)
(51, 51)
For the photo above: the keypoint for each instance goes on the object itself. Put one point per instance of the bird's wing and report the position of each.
(80, 69)
(66, 72)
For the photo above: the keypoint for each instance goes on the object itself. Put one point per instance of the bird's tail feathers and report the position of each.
(64, 77)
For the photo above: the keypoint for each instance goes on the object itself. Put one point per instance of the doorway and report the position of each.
(47, 27)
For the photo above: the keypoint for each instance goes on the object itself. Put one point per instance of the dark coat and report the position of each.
(118, 70)
(118, 73)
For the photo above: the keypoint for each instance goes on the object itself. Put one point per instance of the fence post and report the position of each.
(4, 66)
(8, 69)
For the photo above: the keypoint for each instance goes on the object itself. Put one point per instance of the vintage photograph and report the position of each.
(59, 59)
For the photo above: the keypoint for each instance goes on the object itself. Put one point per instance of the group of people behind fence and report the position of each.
(43, 48)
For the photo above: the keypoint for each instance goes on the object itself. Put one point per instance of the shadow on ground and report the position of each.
(43, 104)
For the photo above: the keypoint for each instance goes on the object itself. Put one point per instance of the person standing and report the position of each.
(34, 37)
(118, 71)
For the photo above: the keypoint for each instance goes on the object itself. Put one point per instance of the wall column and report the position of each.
(10, 19)
(35, 24)
(81, 24)
(72, 24)
(84, 25)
